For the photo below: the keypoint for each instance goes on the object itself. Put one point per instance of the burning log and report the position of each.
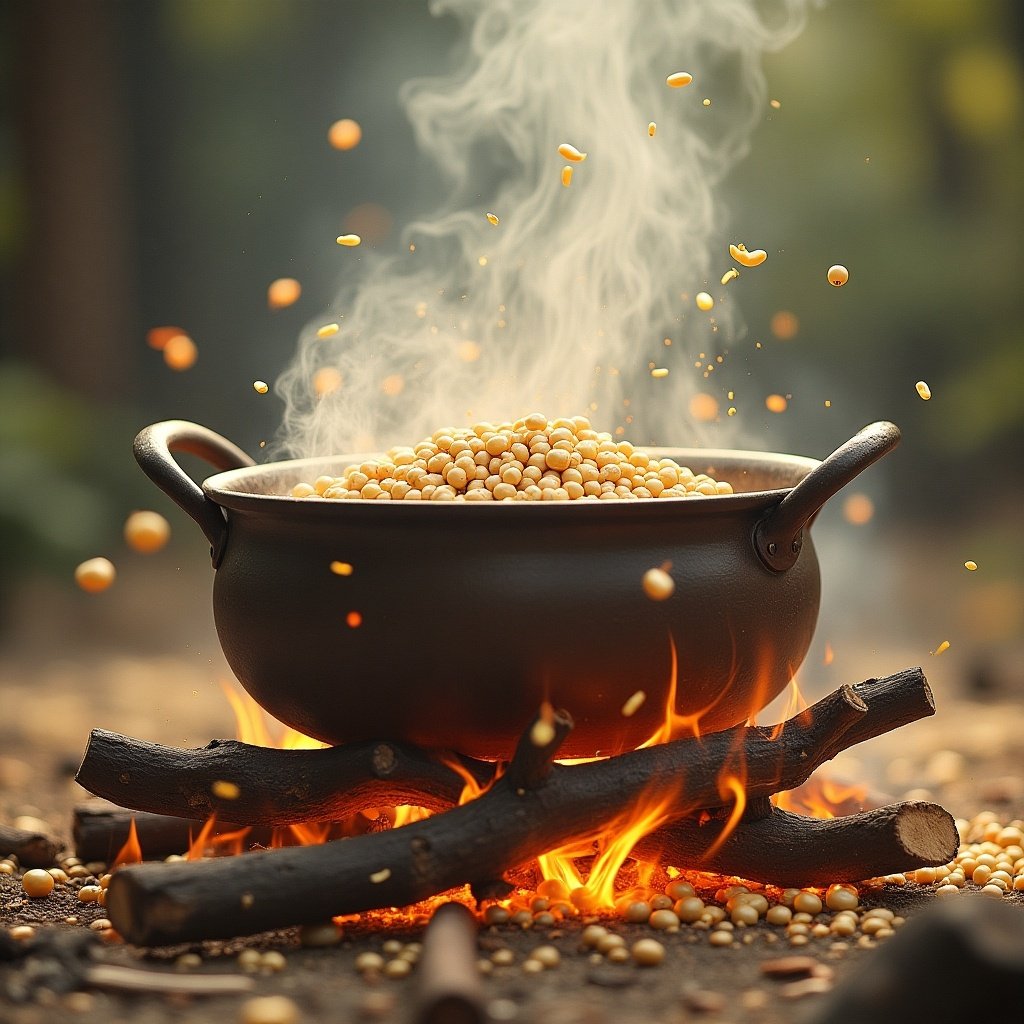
(535, 806)
(793, 850)
(33, 849)
(449, 981)
(274, 787)
(278, 787)
(99, 829)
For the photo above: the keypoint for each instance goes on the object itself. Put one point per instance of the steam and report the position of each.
(564, 306)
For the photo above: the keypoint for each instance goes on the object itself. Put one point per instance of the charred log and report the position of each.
(279, 787)
(792, 850)
(535, 806)
(275, 787)
(33, 849)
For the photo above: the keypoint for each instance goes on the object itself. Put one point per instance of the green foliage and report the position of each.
(59, 499)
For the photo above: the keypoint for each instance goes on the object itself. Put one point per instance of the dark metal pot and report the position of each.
(473, 614)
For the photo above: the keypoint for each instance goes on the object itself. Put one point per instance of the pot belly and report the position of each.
(457, 642)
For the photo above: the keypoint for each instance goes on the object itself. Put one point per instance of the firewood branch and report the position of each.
(508, 825)
(275, 787)
(278, 787)
(793, 850)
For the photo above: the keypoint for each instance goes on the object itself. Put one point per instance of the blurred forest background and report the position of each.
(162, 161)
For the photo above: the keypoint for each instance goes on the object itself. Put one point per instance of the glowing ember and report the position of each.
(180, 352)
(158, 337)
(923, 390)
(784, 325)
(776, 403)
(349, 240)
(283, 292)
(651, 129)
(705, 302)
(970, 565)
(858, 509)
(327, 331)
(345, 134)
(341, 568)
(942, 648)
(704, 407)
(678, 79)
(730, 275)
(326, 380)
(260, 387)
(567, 176)
(493, 219)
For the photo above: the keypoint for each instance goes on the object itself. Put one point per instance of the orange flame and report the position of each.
(131, 852)
(197, 848)
(730, 785)
(822, 798)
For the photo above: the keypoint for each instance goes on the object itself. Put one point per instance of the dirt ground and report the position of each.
(968, 757)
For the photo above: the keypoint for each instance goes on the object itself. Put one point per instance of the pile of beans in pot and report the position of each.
(532, 459)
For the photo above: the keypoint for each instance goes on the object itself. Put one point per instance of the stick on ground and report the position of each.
(449, 989)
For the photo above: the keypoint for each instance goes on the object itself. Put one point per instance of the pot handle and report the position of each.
(153, 448)
(778, 535)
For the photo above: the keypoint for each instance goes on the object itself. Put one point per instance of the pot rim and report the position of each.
(234, 489)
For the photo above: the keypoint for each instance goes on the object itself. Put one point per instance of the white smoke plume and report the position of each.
(564, 306)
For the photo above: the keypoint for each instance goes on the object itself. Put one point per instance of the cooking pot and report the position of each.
(469, 616)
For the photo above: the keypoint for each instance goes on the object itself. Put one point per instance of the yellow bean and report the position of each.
(95, 575)
(146, 531)
(568, 152)
(747, 258)
(658, 585)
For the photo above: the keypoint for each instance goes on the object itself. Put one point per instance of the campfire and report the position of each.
(703, 801)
